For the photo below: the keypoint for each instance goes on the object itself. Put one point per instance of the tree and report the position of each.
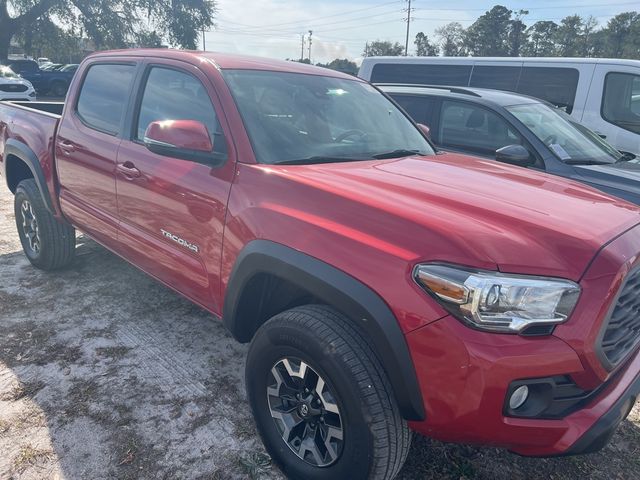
(541, 39)
(451, 39)
(568, 36)
(488, 35)
(383, 48)
(424, 48)
(622, 36)
(110, 23)
(343, 65)
(517, 34)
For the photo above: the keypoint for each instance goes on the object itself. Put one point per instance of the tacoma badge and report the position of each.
(180, 241)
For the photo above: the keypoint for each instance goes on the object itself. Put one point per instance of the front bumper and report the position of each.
(465, 374)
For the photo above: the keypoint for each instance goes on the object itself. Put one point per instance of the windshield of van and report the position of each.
(297, 118)
(569, 141)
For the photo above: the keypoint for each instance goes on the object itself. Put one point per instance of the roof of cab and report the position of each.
(497, 97)
(228, 61)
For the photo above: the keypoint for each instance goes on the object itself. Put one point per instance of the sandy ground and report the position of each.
(104, 373)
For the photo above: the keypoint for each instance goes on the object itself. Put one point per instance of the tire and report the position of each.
(49, 244)
(58, 89)
(368, 439)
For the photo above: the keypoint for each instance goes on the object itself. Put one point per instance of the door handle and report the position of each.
(601, 135)
(67, 147)
(128, 169)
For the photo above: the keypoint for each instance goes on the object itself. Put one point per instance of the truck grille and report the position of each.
(622, 332)
(10, 87)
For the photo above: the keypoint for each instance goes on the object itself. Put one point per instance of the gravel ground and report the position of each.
(104, 373)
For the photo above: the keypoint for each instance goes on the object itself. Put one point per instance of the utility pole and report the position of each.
(302, 48)
(366, 49)
(204, 41)
(408, 20)
(310, 41)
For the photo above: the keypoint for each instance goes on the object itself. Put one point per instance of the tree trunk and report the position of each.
(6, 34)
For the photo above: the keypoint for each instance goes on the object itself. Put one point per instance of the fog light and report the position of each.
(518, 397)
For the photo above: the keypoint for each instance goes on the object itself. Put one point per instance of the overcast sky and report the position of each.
(272, 28)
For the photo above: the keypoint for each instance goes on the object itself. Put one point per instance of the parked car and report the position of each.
(43, 61)
(13, 87)
(382, 287)
(69, 67)
(520, 130)
(53, 83)
(51, 67)
(600, 93)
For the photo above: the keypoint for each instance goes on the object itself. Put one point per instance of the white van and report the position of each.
(603, 94)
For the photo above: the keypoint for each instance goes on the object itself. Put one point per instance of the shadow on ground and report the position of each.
(104, 373)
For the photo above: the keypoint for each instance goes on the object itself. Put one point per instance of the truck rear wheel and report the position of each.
(321, 399)
(48, 243)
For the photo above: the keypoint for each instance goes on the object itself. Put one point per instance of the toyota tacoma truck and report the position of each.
(384, 287)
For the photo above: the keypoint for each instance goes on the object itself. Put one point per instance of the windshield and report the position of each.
(7, 73)
(292, 118)
(568, 140)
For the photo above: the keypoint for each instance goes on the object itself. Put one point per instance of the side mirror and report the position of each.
(184, 139)
(514, 155)
(425, 130)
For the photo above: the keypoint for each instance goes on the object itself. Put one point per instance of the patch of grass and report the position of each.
(255, 464)
(4, 426)
(29, 456)
(22, 390)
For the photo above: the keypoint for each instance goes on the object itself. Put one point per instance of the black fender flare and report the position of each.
(24, 153)
(343, 292)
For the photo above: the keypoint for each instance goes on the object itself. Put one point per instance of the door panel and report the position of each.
(621, 109)
(172, 211)
(86, 152)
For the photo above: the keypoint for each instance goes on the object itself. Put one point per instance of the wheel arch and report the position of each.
(21, 163)
(269, 277)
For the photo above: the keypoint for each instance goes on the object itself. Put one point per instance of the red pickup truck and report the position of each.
(383, 286)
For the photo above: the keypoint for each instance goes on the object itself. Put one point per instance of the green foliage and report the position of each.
(451, 40)
(381, 48)
(341, 65)
(424, 48)
(109, 23)
(488, 36)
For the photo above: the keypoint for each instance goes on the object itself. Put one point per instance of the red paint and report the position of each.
(374, 220)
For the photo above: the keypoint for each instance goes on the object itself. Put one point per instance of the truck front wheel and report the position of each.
(321, 399)
(48, 243)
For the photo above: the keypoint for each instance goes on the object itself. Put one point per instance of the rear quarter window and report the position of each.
(556, 85)
(421, 74)
(104, 95)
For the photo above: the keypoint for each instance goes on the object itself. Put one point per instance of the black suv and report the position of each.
(519, 130)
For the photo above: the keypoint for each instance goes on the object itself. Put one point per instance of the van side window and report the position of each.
(419, 107)
(473, 128)
(621, 100)
(104, 96)
(452, 75)
(496, 77)
(173, 95)
(557, 86)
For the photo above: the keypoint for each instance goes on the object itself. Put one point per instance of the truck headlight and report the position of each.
(499, 302)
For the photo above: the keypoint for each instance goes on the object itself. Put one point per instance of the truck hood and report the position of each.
(485, 214)
(621, 179)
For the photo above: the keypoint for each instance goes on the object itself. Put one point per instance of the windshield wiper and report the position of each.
(319, 159)
(396, 154)
(587, 162)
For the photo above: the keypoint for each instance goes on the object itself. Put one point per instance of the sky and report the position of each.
(341, 28)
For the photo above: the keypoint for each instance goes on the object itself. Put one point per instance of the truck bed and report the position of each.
(30, 127)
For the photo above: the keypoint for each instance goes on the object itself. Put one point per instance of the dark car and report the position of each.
(45, 82)
(520, 130)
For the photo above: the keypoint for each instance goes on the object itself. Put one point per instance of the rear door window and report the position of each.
(104, 96)
(472, 128)
(419, 107)
(421, 74)
(557, 86)
(621, 100)
(496, 77)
